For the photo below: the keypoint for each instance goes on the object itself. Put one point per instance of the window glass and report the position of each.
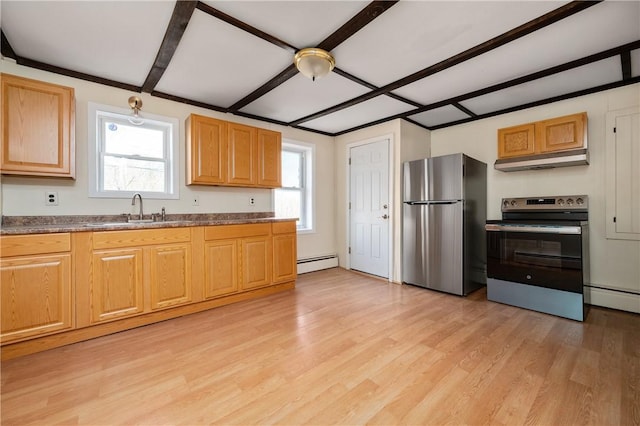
(132, 157)
(291, 169)
(294, 199)
(124, 139)
(128, 174)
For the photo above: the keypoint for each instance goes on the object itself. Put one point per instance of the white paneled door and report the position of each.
(369, 208)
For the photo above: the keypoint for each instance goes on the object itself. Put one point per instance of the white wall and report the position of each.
(409, 142)
(614, 263)
(25, 196)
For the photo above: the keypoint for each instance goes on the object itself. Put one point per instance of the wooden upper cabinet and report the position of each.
(242, 152)
(516, 141)
(38, 128)
(269, 158)
(206, 150)
(562, 133)
(543, 137)
(231, 154)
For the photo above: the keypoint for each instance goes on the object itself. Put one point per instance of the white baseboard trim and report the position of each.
(317, 263)
(612, 299)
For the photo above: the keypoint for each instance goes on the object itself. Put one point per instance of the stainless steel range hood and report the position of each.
(575, 157)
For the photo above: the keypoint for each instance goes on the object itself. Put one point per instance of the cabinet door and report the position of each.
(206, 150)
(269, 158)
(36, 295)
(38, 127)
(170, 277)
(516, 141)
(221, 268)
(116, 289)
(562, 133)
(256, 262)
(242, 145)
(284, 258)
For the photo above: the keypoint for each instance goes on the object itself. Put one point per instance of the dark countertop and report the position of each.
(18, 225)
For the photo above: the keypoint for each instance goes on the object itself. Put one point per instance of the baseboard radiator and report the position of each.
(317, 263)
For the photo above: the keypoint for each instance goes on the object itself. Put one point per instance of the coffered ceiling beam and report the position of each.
(625, 62)
(6, 48)
(455, 101)
(353, 25)
(373, 87)
(245, 27)
(177, 25)
(507, 37)
(465, 110)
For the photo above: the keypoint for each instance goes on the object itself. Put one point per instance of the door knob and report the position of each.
(385, 216)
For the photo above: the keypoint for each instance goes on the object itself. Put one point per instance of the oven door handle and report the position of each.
(572, 230)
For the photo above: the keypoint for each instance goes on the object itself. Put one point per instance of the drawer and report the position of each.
(222, 232)
(18, 245)
(113, 239)
(288, 227)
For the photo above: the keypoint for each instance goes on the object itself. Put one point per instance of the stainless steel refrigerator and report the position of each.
(443, 216)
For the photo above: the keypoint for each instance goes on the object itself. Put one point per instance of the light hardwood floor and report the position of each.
(342, 348)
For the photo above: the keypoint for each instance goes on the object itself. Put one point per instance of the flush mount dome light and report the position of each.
(313, 62)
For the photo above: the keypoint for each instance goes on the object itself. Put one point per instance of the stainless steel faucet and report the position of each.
(133, 203)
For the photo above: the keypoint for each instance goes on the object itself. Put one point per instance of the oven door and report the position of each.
(540, 255)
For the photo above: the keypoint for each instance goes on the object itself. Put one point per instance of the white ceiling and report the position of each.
(230, 49)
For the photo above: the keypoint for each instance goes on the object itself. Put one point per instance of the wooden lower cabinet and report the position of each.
(64, 288)
(37, 285)
(221, 268)
(285, 254)
(246, 257)
(116, 286)
(36, 295)
(170, 277)
(142, 271)
(256, 262)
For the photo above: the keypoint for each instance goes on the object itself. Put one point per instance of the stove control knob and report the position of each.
(570, 201)
(560, 202)
(579, 201)
(513, 203)
(505, 203)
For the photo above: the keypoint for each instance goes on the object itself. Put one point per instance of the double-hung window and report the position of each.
(132, 156)
(294, 198)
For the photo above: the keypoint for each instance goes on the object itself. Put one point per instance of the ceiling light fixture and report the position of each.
(313, 62)
(136, 105)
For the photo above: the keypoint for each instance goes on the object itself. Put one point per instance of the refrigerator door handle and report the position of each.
(426, 203)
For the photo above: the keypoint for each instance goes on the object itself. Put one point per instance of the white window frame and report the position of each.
(95, 164)
(307, 223)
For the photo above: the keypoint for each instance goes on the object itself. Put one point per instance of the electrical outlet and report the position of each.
(195, 200)
(252, 201)
(51, 198)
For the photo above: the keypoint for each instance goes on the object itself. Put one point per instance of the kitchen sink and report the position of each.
(101, 224)
(130, 223)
